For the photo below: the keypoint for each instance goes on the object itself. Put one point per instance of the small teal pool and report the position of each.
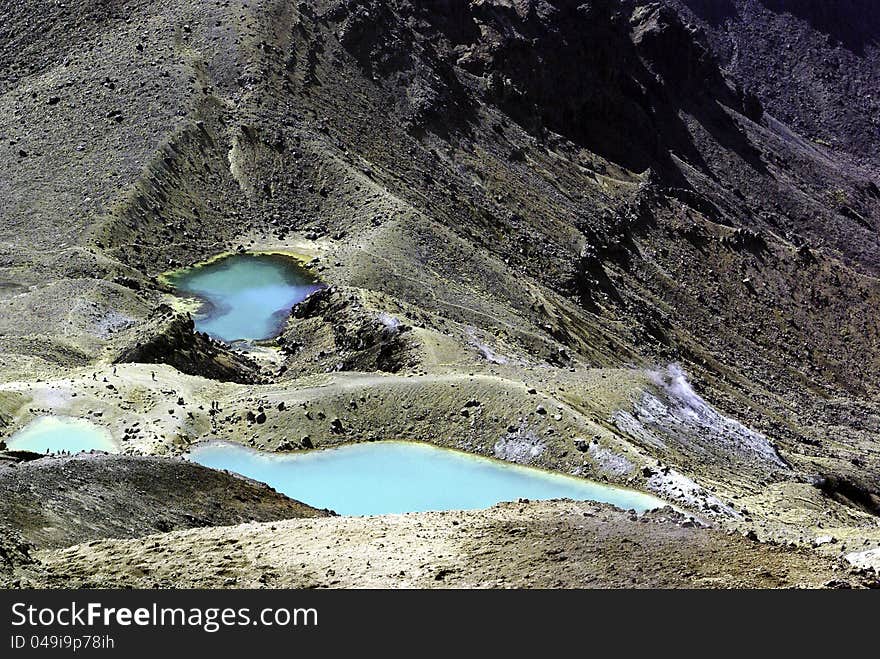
(245, 296)
(55, 434)
(398, 477)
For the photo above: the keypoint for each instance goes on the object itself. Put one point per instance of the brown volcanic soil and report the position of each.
(527, 204)
(61, 501)
(517, 545)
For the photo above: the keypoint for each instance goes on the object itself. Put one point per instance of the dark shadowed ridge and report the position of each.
(815, 63)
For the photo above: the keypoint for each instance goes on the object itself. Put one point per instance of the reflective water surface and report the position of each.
(56, 434)
(396, 477)
(245, 296)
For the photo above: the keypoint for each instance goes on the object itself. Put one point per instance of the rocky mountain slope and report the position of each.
(657, 221)
(814, 64)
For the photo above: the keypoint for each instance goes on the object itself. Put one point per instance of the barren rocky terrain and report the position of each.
(61, 501)
(517, 545)
(632, 241)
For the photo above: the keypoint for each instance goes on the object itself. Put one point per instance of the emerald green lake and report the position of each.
(245, 296)
(378, 478)
(56, 434)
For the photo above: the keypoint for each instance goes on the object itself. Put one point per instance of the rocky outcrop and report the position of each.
(610, 76)
(394, 56)
(345, 334)
(15, 551)
(856, 490)
(170, 338)
(61, 501)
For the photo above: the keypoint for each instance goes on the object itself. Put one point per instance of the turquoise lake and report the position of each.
(56, 434)
(379, 478)
(245, 296)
